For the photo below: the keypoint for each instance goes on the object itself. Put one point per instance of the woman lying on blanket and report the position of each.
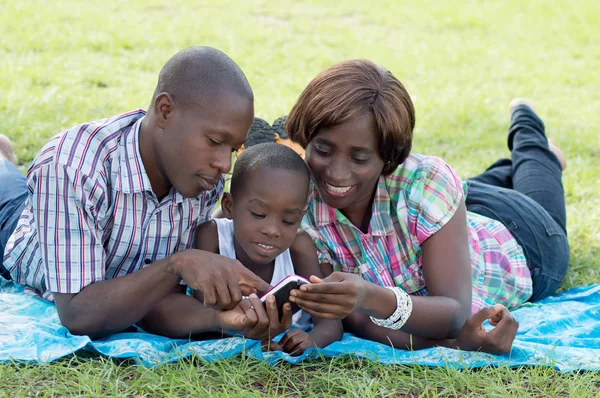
(415, 249)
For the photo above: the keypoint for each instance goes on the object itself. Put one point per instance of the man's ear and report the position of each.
(227, 205)
(163, 109)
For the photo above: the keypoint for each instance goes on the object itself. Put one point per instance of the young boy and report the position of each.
(269, 191)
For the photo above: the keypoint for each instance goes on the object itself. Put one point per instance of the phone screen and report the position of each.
(282, 292)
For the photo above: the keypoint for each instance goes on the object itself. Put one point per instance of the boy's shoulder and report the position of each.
(302, 243)
(207, 237)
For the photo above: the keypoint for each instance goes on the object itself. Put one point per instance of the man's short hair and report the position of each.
(270, 155)
(197, 74)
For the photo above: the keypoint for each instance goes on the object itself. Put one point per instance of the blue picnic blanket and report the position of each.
(562, 331)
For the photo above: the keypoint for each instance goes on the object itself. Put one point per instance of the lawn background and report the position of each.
(66, 62)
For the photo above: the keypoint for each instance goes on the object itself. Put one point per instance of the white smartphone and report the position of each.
(282, 290)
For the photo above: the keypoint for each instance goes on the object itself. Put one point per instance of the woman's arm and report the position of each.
(472, 336)
(447, 270)
(446, 267)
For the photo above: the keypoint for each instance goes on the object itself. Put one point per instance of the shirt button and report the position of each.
(379, 270)
(147, 261)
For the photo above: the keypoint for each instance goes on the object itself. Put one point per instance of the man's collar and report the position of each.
(132, 177)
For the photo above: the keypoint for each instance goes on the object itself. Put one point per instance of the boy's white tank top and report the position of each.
(283, 265)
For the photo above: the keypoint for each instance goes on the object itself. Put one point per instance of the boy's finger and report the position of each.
(290, 333)
(315, 279)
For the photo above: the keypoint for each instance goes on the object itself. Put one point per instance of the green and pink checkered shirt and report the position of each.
(410, 205)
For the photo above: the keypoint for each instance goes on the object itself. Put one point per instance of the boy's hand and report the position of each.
(473, 337)
(296, 341)
(270, 345)
(334, 297)
(268, 324)
(221, 280)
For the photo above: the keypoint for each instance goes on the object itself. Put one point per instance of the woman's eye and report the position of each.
(261, 216)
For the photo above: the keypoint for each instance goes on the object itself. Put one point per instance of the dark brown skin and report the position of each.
(347, 155)
(270, 214)
(472, 336)
(326, 331)
(185, 148)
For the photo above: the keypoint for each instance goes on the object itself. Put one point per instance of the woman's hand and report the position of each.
(473, 337)
(334, 297)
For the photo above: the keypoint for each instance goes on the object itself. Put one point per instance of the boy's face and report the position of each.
(266, 213)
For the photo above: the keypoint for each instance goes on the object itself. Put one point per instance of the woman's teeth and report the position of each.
(340, 190)
(267, 247)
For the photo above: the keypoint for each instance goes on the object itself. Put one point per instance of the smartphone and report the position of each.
(282, 290)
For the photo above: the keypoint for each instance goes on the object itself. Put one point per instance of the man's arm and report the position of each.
(180, 316)
(112, 305)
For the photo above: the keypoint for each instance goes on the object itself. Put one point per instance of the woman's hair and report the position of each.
(350, 89)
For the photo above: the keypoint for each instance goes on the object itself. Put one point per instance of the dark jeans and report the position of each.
(13, 192)
(525, 193)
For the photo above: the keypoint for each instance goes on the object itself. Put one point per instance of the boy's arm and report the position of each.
(304, 258)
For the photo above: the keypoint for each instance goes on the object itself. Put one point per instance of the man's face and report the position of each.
(195, 144)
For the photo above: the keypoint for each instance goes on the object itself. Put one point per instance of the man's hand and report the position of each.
(473, 337)
(334, 297)
(255, 320)
(236, 320)
(221, 280)
(268, 324)
(296, 341)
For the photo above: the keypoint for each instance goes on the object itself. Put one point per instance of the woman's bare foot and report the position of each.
(519, 101)
(558, 153)
(6, 150)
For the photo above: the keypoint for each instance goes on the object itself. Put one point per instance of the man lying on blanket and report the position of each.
(103, 224)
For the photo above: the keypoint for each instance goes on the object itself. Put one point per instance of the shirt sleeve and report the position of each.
(432, 198)
(65, 206)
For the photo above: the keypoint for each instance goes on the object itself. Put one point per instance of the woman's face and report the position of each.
(346, 164)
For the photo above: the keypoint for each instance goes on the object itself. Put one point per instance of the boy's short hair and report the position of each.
(347, 90)
(271, 155)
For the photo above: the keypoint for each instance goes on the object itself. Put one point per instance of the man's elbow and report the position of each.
(79, 326)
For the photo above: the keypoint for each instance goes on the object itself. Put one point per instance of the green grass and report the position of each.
(65, 62)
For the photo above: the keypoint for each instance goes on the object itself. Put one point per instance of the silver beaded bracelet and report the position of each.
(402, 312)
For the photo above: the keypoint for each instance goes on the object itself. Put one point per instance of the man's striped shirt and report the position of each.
(91, 214)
